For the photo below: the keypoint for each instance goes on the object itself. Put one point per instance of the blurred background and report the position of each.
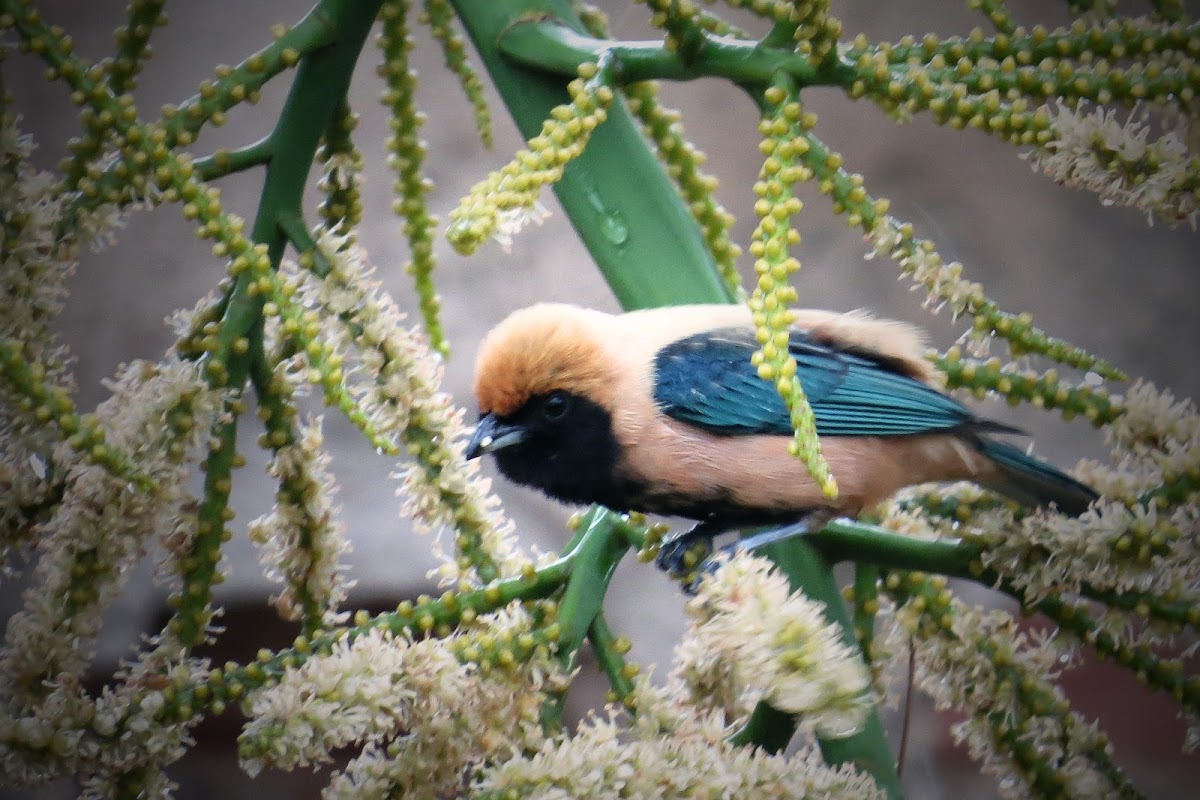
(1099, 277)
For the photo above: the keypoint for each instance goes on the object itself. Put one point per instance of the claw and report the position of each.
(680, 555)
(683, 553)
(706, 567)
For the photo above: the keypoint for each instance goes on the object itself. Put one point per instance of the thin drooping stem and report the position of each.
(641, 235)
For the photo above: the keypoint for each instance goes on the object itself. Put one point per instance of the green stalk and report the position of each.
(594, 559)
(610, 657)
(133, 44)
(322, 79)
(866, 603)
(227, 162)
(554, 47)
(640, 233)
(847, 540)
(407, 619)
(312, 33)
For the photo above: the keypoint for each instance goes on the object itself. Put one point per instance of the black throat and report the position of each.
(575, 459)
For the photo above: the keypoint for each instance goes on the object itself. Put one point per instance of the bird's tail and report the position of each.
(1033, 482)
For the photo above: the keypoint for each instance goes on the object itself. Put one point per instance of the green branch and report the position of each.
(865, 594)
(227, 162)
(301, 240)
(341, 209)
(1046, 390)
(550, 46)
(427, 616)
(319, 88)
(51, 405)
(122, 181)
(1096, 39)
(869, 214)
(1153, 670)
(1031, 696)
(407, 151)
(198, 569)
(782, 35)
(846, 540)
(594, 559)
(610, 654)
(440, 16)
(133, 43)
(277, 412)
(321, 29)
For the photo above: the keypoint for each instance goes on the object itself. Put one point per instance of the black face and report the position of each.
(568, 450)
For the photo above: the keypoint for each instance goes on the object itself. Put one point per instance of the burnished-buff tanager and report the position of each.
(662, 411)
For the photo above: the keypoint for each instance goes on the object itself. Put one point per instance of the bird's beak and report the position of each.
(491, 435)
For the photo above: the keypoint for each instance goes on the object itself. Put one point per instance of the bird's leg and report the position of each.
(672, 554)
(812, 520)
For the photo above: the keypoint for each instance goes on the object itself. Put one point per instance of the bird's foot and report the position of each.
(680, 555)
(812, 521)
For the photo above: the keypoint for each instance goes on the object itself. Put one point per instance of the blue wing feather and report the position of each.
(707, 380)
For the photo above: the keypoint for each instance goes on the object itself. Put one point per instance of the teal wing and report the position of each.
(707, 380)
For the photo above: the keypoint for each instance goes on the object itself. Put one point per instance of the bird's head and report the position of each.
(544, 385)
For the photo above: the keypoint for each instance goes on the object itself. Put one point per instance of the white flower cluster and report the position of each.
(1123, 477)
(1158, 426)
(1095, 150)
(511, 221)
(36, 264)
(366, 690)
(27, 476)
(38, 259)
(301, 540)
(752, 640)
(710, 681)
(423, 717)
(123, 738)
(342, 171)
(982, 663)
(39, 251)
(899, 516)
(1109, 547)
(404, 399)
(103, 525)
(1122, 543)
(670, 751)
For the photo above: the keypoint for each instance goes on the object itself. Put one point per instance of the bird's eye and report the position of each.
(556, 406)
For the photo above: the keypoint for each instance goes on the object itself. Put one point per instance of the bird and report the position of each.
(662, 411)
